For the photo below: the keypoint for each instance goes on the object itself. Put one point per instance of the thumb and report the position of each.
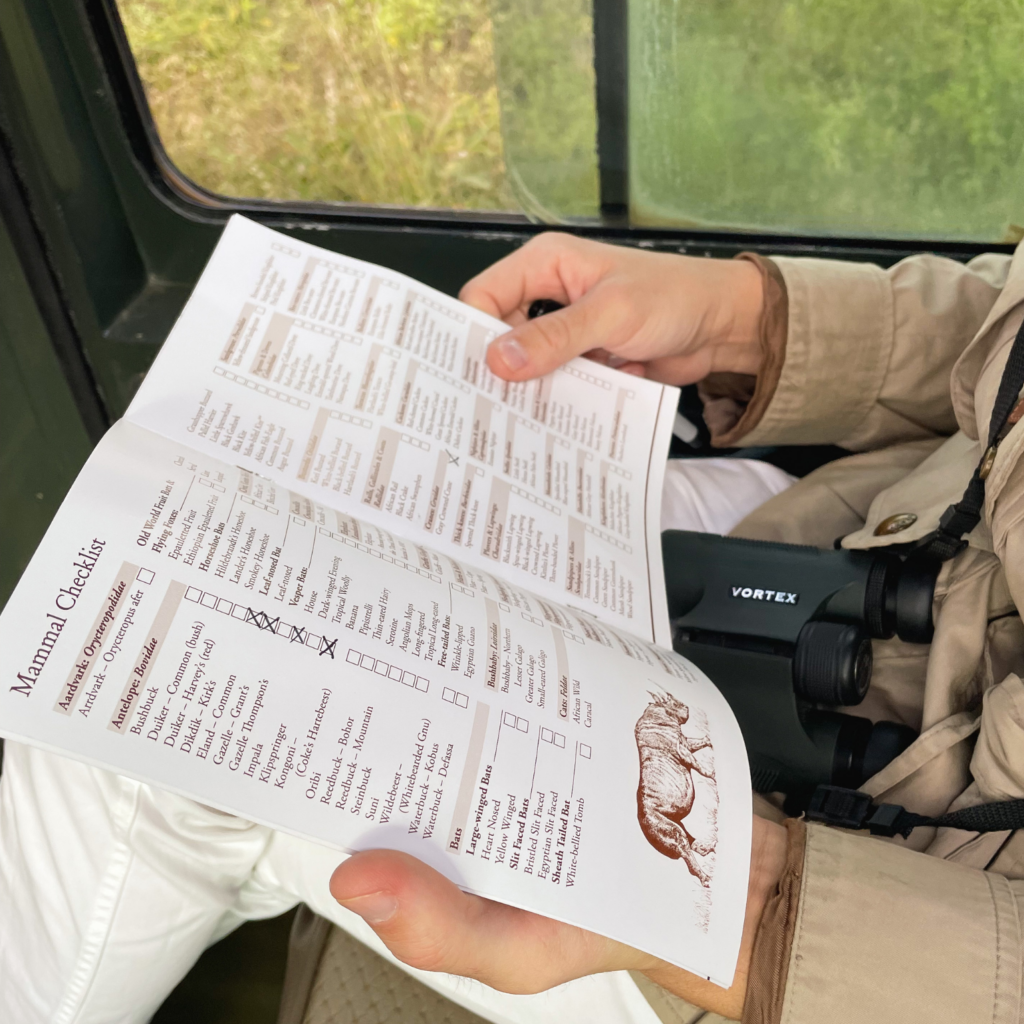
(429, 923)
(541, 345)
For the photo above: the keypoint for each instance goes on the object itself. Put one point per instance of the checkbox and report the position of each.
(381, 668)
(367, 661)
(559, 740)
(462, 700)
(448, 694)
(408, 678)
(353, 657)
(395, 673)
(547, 735)
(422, 684)
(145, 576)
(522, 725)
(209, 601)
(585, 750)
(509, 719)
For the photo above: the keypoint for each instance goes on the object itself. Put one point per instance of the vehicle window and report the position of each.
(891, 118)
(855, 117)
(544, 53)
(859, 118)
(366, 101)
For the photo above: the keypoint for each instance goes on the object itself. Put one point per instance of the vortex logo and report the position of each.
(776, 596)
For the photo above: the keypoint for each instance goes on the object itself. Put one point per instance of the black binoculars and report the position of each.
(785, 633)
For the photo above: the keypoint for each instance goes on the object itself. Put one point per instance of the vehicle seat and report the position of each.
(332, 978)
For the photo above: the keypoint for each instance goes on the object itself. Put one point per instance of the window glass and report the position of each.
(861, 117)
(369, 101)
(544, 51)
(891, 118)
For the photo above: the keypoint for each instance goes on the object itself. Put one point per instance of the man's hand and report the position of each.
(427, 922)
(672, 318)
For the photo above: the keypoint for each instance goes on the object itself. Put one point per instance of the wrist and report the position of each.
(767, 863)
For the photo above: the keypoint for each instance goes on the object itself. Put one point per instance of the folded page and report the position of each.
(200, 627)
(365, 390)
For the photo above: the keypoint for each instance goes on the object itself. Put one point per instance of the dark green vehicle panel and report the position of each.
(43, 442)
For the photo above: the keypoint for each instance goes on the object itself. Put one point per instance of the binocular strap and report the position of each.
(960, 519)
(849, 808)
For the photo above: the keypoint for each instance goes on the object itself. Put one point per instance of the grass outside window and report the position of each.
(367, 101)
(883, 118)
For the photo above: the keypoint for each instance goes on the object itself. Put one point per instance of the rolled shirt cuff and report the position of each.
(769, 959)
(734, 403)
(839, 338)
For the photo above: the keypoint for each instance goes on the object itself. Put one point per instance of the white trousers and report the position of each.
(111, 889)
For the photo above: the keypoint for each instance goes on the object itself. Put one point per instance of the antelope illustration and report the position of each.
(666, 792)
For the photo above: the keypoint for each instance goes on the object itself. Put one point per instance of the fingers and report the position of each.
(695, 366)
(579, 274)
(540, 346)
(605, 358)
(671, 318)
(429, 923)
(549, 266)
(603, 318)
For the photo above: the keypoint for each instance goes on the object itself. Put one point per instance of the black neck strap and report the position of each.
(960, 519)
(849, 808)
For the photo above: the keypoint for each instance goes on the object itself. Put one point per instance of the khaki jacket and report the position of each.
(902, 366)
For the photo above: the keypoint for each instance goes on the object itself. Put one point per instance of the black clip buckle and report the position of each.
(849, 808)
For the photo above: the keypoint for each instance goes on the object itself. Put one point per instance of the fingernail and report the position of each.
(375, 908)
(513, 355)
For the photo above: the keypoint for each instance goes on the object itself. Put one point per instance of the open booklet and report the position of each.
(331, 574)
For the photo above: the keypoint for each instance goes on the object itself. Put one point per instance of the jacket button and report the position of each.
(894, 524)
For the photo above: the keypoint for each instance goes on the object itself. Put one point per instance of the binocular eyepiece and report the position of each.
(785, 633)
(832, 663)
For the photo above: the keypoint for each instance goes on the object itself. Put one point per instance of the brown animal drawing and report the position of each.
(666, 792)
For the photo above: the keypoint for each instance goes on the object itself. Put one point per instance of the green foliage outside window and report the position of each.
(859, 117)
(545, 69)
(866, 117)
(375, 101)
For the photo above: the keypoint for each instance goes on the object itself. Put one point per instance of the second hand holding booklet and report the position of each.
(332, 575)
